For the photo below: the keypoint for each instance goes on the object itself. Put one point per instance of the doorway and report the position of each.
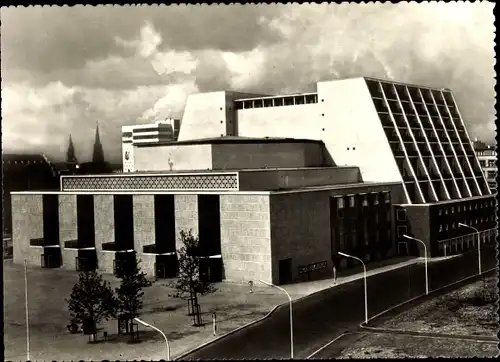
(285, 271)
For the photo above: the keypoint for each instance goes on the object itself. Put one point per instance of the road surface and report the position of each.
(321, 317)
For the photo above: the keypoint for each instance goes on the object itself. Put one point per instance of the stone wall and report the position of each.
(245, 237)
(300, 230)
(186, 216)
(144, 229)
(27, 223)
(68, 227)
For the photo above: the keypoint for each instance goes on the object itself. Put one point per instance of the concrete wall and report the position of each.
(144, 229)
(419, 227)
(300, 230)
(104, 230)
(345, 119)
(269, 155)
(186, 216)
(290, 179)
(204, 116)
(298, 121)
(245, 237)
(27, 223)
(165, 158)
(68, 229)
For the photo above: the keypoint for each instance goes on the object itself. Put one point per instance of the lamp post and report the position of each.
(478, 243)
(291, 314)
(366, 291)
(425, 258)
(26, 308)
(156, 329)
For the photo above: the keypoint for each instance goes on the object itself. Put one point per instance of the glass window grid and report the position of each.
(435, 103)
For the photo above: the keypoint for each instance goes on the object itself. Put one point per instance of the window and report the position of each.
(440, 212)
(440, 228)
(387, 197)
(446, 227)
(340, 202)
(401, 215)
(453, 225)
(351, 201)
(453, 209)
(340, 213)
(401, 231)
(446, 211)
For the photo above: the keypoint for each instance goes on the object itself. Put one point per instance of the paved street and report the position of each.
(320, 318)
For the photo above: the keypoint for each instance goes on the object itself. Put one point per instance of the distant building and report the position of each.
(24, 173)
(146, 134)
(487, 156)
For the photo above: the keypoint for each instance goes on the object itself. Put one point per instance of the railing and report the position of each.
(467, 239)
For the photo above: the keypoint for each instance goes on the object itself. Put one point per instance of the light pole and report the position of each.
(291, 314)
(478, 244)
(156, 329)
(366, 291)
(425, 258)
(26, 308)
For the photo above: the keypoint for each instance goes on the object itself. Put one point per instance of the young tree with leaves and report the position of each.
(91, 300)
(188, 284)
(130, 292)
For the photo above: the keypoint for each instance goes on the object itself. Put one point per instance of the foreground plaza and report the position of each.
(275, 186)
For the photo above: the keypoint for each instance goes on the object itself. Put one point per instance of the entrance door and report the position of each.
(285, 271)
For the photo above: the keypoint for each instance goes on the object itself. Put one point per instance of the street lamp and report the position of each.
(366, 292)
(425, 258)
(156, 329)
(26, 308)
(291, 314)
(478, 244)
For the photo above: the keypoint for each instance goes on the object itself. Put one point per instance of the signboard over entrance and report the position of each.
(311, 267)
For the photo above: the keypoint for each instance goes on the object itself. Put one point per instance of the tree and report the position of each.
(188, 284)
(91, 301)
(130, 292)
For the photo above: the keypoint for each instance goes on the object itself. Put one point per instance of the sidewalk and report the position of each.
(234, 305)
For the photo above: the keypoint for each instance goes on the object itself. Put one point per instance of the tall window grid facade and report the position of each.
(429, 142)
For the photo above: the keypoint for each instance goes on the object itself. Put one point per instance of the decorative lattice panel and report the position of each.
(153, 182)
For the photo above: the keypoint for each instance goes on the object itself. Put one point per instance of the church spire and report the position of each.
(70, 153)
(98, 154)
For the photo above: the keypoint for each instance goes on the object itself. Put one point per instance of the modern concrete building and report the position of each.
(146, 134)
(275, 187)
(487, 157)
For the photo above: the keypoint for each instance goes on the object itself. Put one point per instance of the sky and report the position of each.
(66, 68)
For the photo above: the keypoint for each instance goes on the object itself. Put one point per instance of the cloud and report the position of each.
(68, 67)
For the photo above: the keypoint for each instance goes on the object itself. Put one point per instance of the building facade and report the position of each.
(487, 157)
(146, 134)
(275, 187)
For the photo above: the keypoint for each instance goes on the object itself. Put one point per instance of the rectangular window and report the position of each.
(401, 215)
(340, 202)
(387, 197)
(452, 209)
(440, 228)
(351, 201)
(401, 231)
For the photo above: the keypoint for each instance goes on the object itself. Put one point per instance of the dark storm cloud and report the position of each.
(53, 42)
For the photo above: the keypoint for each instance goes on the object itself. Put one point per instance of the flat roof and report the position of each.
(231, 139)
(217, 171)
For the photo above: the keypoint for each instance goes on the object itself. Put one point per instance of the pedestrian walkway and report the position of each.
(299, 290)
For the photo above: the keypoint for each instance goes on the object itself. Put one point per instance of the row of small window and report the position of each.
(476, 221)
(470, 207)
(364, 202)
(277, 102)
(487, 163)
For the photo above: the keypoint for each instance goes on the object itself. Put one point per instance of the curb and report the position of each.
(227, 333)
(197, 348)
(364, 325)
